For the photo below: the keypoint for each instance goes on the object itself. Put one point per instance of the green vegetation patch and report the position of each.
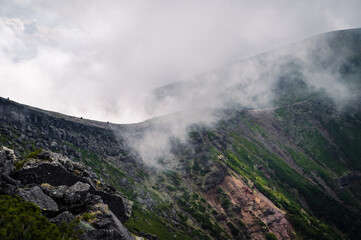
(149, 223)
(23, 220)
(271, 236)
(34, 154)
(245, 153)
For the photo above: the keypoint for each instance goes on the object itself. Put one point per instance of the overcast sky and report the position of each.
(100, 59)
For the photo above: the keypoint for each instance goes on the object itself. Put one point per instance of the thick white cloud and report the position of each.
(100, 59)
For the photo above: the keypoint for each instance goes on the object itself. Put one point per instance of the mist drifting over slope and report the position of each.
(109, 60)
(299, 71)
(102, 60)
(317, 62)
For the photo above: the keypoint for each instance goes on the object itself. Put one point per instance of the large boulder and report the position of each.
(39, 198)
(51, 168)
(78, 193)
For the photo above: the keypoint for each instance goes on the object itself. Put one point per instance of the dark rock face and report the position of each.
(63, 190)
(120, 207)
(47, 130)
(45, 172)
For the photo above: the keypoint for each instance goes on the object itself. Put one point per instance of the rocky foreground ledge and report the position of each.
(65, 191)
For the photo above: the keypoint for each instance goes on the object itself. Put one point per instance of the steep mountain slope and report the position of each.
(288, 169)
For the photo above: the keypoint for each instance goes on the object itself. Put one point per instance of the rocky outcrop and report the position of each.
(8, 185)
(58, 171)
(49, 130)
(253, 209)
(215, 177)
(64, 190)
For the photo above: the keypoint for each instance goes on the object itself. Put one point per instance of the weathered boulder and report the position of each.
(39, 198)
(78, 193)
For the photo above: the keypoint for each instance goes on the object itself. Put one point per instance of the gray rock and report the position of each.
(17, 151)
(2, 157)
(67, 164)
(9, 154)
(22, 138)
(66, 216)
(93, 174)
(103, 222)
(124, 232)
(39, 198)
(54, 192)
(6, 188)
(79, 192)
(44, 155)
(80, 170)
(53, 144)
(7, 168)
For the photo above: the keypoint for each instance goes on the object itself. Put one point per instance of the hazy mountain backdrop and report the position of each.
(265, 148)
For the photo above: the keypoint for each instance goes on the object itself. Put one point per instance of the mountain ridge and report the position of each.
(289, 171)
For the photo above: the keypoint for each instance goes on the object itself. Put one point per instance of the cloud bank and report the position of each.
(102, 60)
(321, 65)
